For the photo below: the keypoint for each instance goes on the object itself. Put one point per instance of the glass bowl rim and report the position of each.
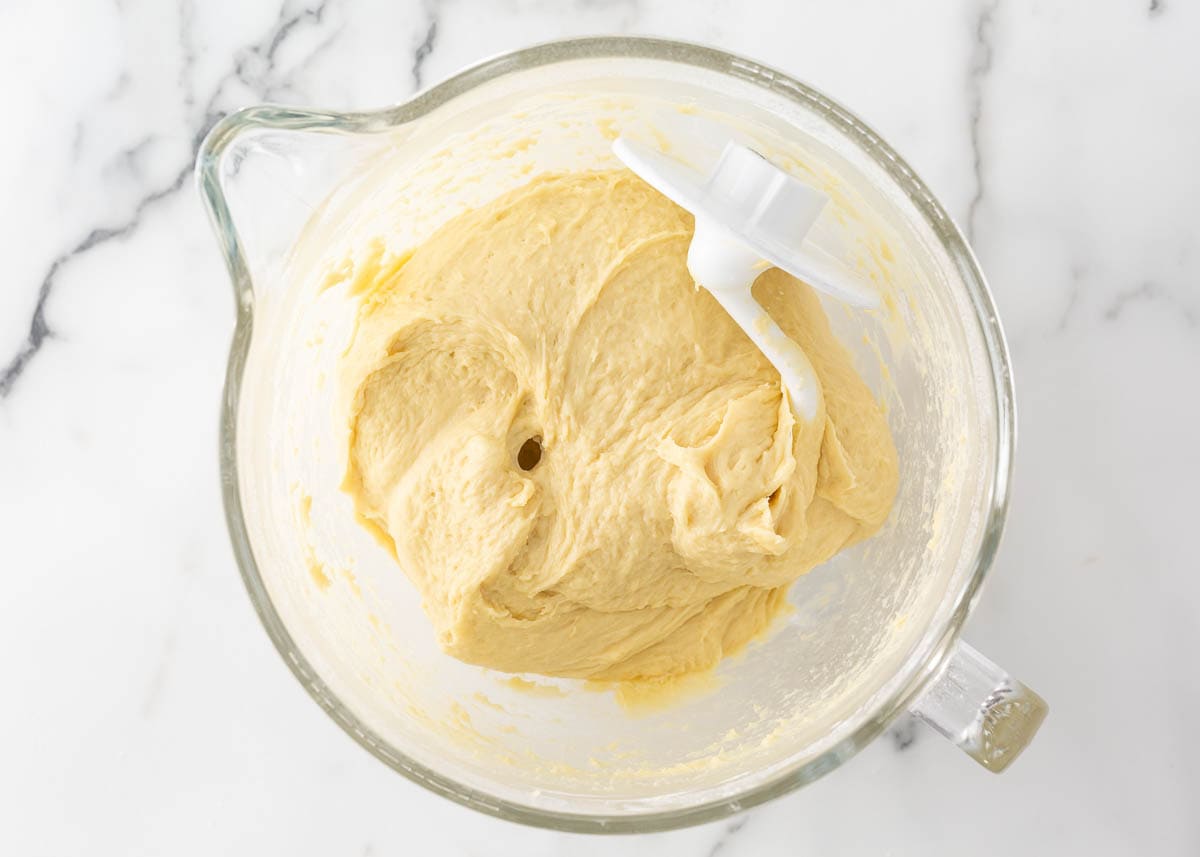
(222, 135)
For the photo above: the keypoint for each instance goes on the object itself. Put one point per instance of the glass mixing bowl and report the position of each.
(874, 632)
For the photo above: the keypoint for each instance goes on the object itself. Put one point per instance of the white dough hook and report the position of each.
(751, 215)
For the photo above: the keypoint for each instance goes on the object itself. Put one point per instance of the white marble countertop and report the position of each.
(145, 710)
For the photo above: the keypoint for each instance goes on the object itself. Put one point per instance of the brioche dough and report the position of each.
(580, 461)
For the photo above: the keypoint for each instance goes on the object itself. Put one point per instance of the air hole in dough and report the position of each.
(530, 453)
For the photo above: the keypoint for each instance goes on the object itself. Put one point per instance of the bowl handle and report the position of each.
(986, 712)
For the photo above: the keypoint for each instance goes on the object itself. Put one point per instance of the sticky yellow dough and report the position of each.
(676, 497)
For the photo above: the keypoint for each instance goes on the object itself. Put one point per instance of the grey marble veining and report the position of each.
(151, 714)
(981, 64)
